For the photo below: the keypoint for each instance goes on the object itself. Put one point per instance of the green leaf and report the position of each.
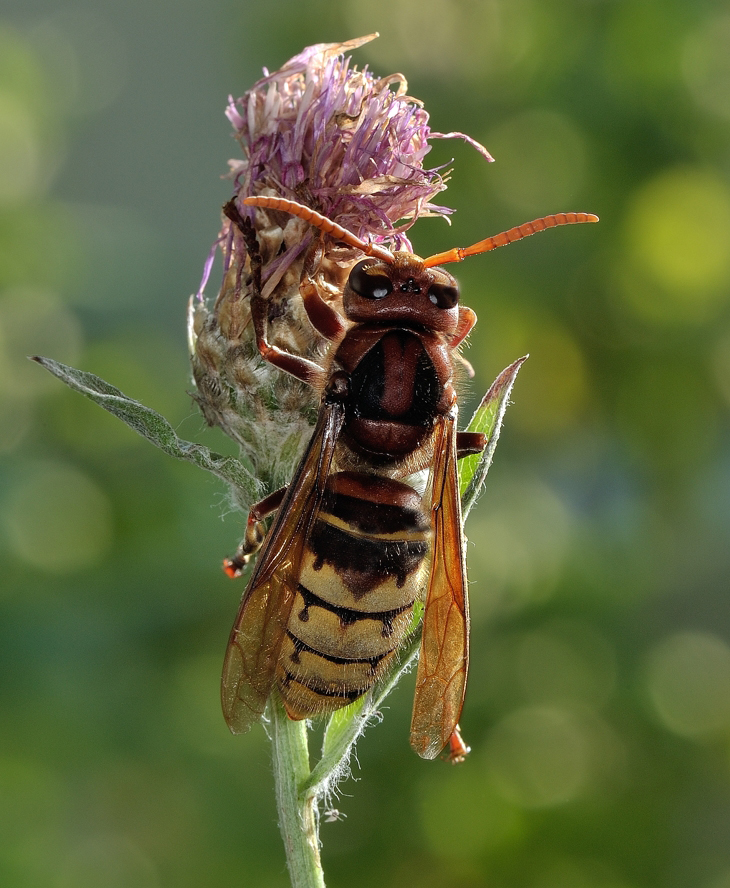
(155, 428)
(487, 419)
(338, 725)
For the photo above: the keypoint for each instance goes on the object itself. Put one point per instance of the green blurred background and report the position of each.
(599, 703)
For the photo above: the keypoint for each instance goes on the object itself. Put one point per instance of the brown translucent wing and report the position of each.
(256, 637)
(444, 657)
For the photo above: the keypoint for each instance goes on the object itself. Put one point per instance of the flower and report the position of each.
(349, 145)
(340, 139)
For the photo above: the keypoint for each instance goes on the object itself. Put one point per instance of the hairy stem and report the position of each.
(297, 816)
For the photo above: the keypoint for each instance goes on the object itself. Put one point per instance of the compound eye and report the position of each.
(443, 295)
(370, 286)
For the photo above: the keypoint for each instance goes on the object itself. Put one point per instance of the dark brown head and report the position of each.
(402, 291)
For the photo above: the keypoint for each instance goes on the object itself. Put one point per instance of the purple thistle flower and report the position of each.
(349, 145)
(341, 140)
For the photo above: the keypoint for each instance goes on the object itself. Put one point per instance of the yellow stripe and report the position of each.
(397, 537)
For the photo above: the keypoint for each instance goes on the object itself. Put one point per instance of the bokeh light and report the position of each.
(34, 322)
(678, 228)
(540, 162)
(554, 384)
(19, 152)
(539, 757)
(523, 531)
(707, 66)
(566, 664)
(86, 56)
(465, 40)
(56, 518)
(688, 680)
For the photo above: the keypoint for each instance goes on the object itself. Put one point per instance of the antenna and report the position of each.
(321, 222)
(457, 254)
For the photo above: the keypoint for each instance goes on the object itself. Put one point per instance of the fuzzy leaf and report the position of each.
(487, 419)
(337, 725)
(154, 427)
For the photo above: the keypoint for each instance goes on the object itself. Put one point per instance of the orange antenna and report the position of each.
(321, 222)
(457, 254)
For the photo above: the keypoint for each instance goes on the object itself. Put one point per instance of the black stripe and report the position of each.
(346, 615)
(377, 559)
(301, 647)
(324, 692)
(369, 517)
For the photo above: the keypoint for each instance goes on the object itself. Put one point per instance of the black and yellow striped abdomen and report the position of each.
(365, 564)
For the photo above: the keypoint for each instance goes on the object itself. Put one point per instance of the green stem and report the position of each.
(297, 817)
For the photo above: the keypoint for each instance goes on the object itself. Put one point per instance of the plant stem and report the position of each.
(297, 817)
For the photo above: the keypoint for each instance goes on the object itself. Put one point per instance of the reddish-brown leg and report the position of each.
(255, 533)
(469, 443)
(326, 320)
(458, 750)
(302, 368)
